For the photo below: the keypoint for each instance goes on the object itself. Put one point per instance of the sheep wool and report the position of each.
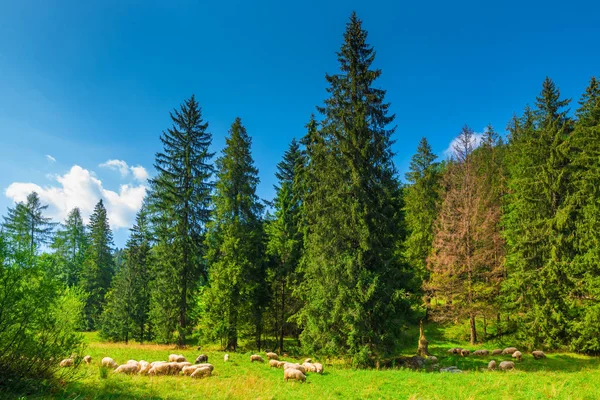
(87, 359)
(272, 356)
(295, 374)
(274, 363)
(109, 362)
(256, 357)
(506, 365)
(537, 354)
(201, 372)
(496, 352)
(319, 367)
(509, 350)
(492, 365)
(517, 354)
(67, 362)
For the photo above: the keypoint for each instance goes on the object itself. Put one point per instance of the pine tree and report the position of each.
(180, 200)
(285, 238)
(26, 225)
(98, 268)
(235, 245)
(582, 209)
(422, 197)
(128, 302)
(538, 239)
(70, 244)
(356, 302)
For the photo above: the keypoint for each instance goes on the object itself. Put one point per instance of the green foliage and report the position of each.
(235, 242)
(355, 279)
(38, 319)
(98, 268)
(179, 203)
(70, 245)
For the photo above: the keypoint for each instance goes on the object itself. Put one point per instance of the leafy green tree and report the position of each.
(235, 244)
(98, 268)
(70, 245)
(355, 281)
(180, 201)
(285, 237)
(26, 225)
(128, 302)
(539, 241)
(422, 198)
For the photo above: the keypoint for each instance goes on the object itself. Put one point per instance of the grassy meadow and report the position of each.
(561, 376)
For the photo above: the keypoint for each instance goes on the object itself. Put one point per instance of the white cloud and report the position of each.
(80, 188)
(118, 165)
(140, 173)
(476, 141)
(50, 158)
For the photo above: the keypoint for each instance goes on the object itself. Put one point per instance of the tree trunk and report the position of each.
(423, 349)
(473, 330)
(282, 316)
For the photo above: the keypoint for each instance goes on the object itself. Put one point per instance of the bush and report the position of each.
(38, 319)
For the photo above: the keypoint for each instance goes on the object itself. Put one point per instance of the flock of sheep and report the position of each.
(178, 364)
(504, 365)
(293, 371)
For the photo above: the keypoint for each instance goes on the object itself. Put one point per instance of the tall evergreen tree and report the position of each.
(70, 244)
(422, 198)
(354, 208)
(235, 244)
(180, 200)
(582, 211)
(98, 268)
(26, 225)
(538, 240)
(128, 302)
(285, 237)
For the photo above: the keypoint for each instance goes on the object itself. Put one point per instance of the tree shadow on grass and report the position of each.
(105, 391)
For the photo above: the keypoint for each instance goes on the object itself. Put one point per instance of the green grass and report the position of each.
(561, 375)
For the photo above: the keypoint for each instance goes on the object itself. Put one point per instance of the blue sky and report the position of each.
(89, 82)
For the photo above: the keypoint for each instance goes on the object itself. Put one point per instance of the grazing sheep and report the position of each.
(517, 354)
(207, 365)
(280, 364)
(177, 358)
(496, 352)
(202, 358)
(456, 350)
(308, 360)
(109, 362)
(160, 368)
(67, 362)
(226, 358)
(129, 368)
(294, 366)
(492, 365)
(134, 362)
(144, 367)
(87, 359)
(201, 372)
(509, 350)
(274, 363)
(188, 370)
(291, 373)
(272, 356)
(309, 367)
(537, 354)
(481, 352)
(256, 357)
(465, 352)
(506, 365)
(318, 368)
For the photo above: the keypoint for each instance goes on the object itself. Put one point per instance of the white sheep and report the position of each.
(226, 358)
(292, 373)
(517, 354)
(159, 368)
(206, 365)
(144, 367)
(256, 357)
(109, 362)
(492, 365)
(177, 358)
(272, 356)
(67, 362)
(274, 363)
(481, 352)
(201, 372)
(188, 370)
(294, 366)
(509, 350)
(129, 368)
(537, 354)
(87, 359)
(319, 367)
(309, 367)
(506, 365)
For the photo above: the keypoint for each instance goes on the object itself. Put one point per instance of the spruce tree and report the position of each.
(26, 225)
(285, 237)
(180, 200)
(70, 244)
(128, 302)
(354, 277)
(235, 243)
(539, 243)
(582, 210)
(98, 268)
(422, 198)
